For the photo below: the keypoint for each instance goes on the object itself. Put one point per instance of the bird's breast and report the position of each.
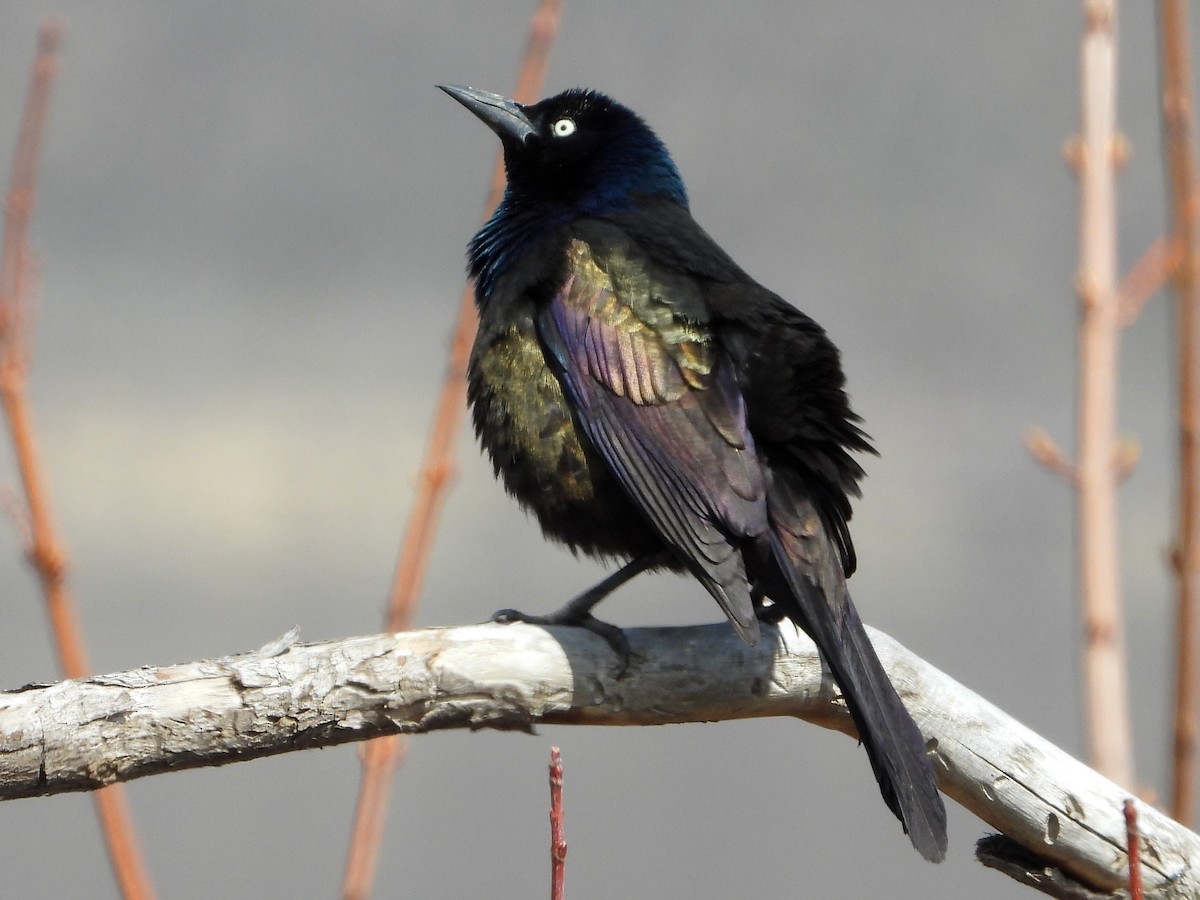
(528, 429)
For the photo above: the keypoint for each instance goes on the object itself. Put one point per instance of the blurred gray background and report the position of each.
(251, 223)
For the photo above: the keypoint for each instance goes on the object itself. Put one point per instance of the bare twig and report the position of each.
(1146, 276)
(1185, 278)
(1132, 838)
(1106, 691)
(380, 760)
(44, 549)
(77, 734)
(1046, 451)
(558, 841)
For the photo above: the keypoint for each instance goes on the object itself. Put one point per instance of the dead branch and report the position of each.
(78, 735)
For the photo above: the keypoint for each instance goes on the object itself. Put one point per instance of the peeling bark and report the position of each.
(83, 734)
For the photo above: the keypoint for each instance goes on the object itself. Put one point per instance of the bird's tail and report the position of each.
(813, 594)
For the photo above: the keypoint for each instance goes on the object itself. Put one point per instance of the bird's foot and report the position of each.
(572, 617)
(771, 613)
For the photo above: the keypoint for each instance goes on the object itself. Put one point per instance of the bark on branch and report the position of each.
(82, 734)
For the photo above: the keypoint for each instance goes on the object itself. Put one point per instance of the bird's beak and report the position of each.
(505, 117)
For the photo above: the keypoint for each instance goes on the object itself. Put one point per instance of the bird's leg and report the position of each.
(577, 611)
(772, 612)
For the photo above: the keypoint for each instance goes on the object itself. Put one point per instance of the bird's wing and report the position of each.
(788, 368)
(660, 403)
(795, 399)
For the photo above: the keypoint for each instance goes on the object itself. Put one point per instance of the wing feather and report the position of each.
(660, 402)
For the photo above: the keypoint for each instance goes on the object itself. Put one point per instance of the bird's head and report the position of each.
(579, 148)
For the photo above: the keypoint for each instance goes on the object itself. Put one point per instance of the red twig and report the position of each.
(44, 548)
(381, 757)
(1185, 277)
(558, 842)
(1131, 838)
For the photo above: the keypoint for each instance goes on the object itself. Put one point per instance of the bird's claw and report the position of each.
(508, 616)
(771, 613)
(609, 633)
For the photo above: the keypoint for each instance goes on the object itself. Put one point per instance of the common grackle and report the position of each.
(650, 402)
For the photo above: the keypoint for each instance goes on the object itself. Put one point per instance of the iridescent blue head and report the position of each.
(578, 148)
(576, 153)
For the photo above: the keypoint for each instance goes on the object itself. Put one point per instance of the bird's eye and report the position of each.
(563, 128)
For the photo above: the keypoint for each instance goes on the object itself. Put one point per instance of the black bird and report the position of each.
(651, 402)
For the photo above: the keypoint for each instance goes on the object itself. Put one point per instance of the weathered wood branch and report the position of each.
(82, 734)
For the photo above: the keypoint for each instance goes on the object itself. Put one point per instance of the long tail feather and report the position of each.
(817, 600)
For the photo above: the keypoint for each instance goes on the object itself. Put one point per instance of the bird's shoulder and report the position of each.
(787, 369)
(659, 260)
(638, 326)
(665, 237)
(653, 248)
(653, 270)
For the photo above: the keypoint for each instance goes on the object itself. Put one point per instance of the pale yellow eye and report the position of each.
(563, 128)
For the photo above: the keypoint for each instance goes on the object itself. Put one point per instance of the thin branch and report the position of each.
(78, 734)
(380, 761)
(1146, 276)
(1109, 734)
(1046, 451)
(558, 841)
(1132, 836)
(1159, 261)
(1177, 120)
(44, 547)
